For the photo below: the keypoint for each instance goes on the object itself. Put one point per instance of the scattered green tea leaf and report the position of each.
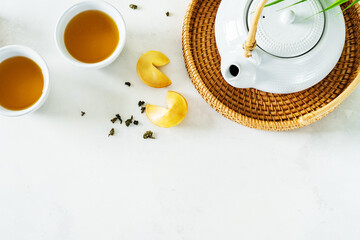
(119, 117)
(141, 103)
(143, 109)
(133, 6)
(129, 121)
(136, 122)
(149, 134)
(114, 120)
(167, 14)
(112, 132)
(128, 84)
(82, 113)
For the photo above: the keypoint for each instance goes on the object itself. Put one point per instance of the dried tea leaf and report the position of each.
(167, 14)
(140, 103)
(149, 134)
(119, 117)
(82, 113)
(129, 121)
(114, 120)
(133, 6)
(112, 132)
(128, 84)
(143, 109)
(136, 122)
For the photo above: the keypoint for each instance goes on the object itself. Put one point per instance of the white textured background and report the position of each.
(62, 178)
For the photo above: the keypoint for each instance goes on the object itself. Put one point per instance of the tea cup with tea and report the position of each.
(91, 34)
(24, 81)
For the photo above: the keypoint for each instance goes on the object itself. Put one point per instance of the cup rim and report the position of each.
(95, 5)
(45, 71)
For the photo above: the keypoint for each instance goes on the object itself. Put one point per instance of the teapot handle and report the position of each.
(250, 42)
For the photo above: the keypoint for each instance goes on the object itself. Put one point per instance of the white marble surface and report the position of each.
(62, 178)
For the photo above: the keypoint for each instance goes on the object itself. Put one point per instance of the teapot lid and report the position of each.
(288, 31)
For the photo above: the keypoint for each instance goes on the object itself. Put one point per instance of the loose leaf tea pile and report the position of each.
(128, 122)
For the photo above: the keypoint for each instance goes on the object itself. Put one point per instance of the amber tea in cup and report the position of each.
(21, 83)
(91, 36)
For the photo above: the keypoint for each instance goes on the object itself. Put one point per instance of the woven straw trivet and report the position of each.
(254, 108)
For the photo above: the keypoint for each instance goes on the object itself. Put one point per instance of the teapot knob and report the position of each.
(287, 17)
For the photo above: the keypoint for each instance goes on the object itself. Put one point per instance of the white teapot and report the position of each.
(296, 45)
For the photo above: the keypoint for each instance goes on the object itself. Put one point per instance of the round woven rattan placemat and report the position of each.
(254, 108)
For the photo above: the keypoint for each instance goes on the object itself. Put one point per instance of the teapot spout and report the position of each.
(239, 73)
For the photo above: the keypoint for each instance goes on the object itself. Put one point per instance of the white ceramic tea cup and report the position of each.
(22, 51)
(81, 7)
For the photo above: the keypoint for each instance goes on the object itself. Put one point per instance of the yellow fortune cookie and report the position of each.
(147, 71)
(171, 116)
